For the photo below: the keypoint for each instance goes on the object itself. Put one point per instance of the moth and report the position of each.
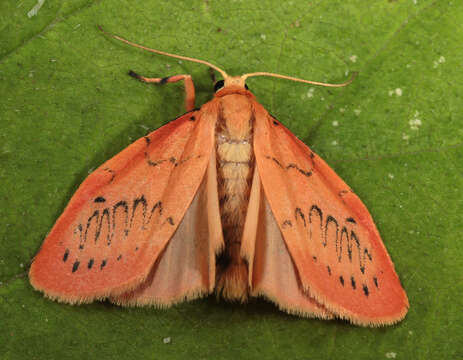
(224, 200)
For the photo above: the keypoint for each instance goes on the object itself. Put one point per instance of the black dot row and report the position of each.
(90, 264)
(353, 283)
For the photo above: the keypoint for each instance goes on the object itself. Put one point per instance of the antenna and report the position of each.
(245, 76)
(223, 73)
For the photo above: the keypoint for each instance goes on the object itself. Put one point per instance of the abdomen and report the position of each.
(235, 165)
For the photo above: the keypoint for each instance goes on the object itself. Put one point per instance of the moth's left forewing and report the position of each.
(333, 242)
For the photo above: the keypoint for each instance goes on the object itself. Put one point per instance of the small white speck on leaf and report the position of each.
(391, 176)
(342, 110)
(397, 91)
(310, 93)
(353, 58)
(357, 112)
(415, 2)
(335, 123)
(441, 60)
(334, 142)
(415, 122)
(21, 265)
(263, 37)
(167, 340)
(35, 9)
(391, 355)
(405, 137)
(410, 332)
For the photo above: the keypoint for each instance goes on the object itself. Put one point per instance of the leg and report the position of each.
(189, 86)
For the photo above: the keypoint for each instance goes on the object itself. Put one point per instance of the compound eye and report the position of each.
(219, 85)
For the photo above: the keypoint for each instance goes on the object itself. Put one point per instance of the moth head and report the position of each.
(235, 81)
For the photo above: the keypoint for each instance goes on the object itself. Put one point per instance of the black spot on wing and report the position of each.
(352, 282)
(75, 266)
(99, 199)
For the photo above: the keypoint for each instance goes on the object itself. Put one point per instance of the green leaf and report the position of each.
(394, 135)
